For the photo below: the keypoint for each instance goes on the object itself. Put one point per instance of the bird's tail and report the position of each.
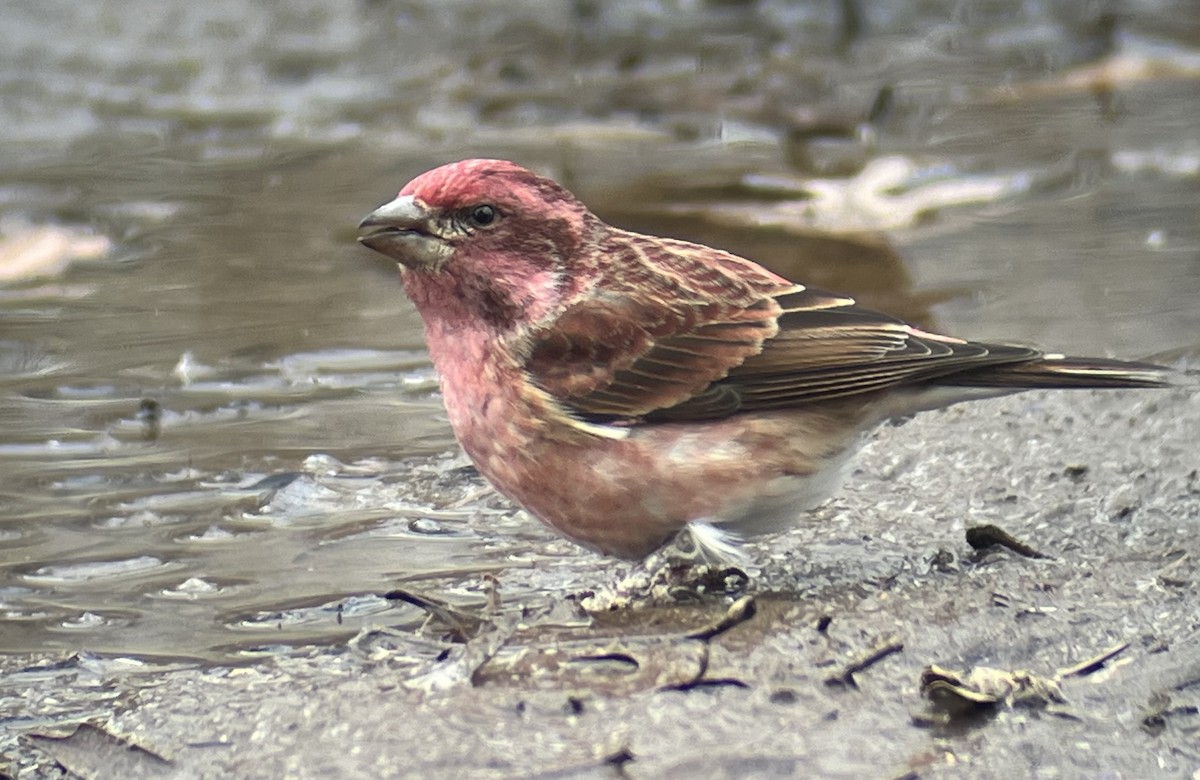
(1061, 371)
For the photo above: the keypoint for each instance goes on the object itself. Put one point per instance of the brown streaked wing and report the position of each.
(684, 332)
(618, 357)
(672, 319)
(829, 347)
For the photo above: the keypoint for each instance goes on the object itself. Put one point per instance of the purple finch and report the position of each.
(623, 387)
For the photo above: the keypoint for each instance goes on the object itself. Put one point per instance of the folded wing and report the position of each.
(685, 332)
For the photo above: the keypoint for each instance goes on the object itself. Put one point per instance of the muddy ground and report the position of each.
(823, 679)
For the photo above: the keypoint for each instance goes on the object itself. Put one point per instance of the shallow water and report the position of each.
(224, 436)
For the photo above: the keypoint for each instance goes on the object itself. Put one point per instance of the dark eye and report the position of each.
(484, 215)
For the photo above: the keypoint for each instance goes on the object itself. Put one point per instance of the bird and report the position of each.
(628, 390)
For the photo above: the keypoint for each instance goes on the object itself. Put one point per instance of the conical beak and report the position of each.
(405, 230)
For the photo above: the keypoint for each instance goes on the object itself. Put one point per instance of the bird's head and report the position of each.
(490, 233)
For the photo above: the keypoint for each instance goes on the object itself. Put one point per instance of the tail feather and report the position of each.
(1061, 371)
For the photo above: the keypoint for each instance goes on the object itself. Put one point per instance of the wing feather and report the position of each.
(685, 332)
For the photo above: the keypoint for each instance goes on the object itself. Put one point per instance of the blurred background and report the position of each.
(219, 433)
